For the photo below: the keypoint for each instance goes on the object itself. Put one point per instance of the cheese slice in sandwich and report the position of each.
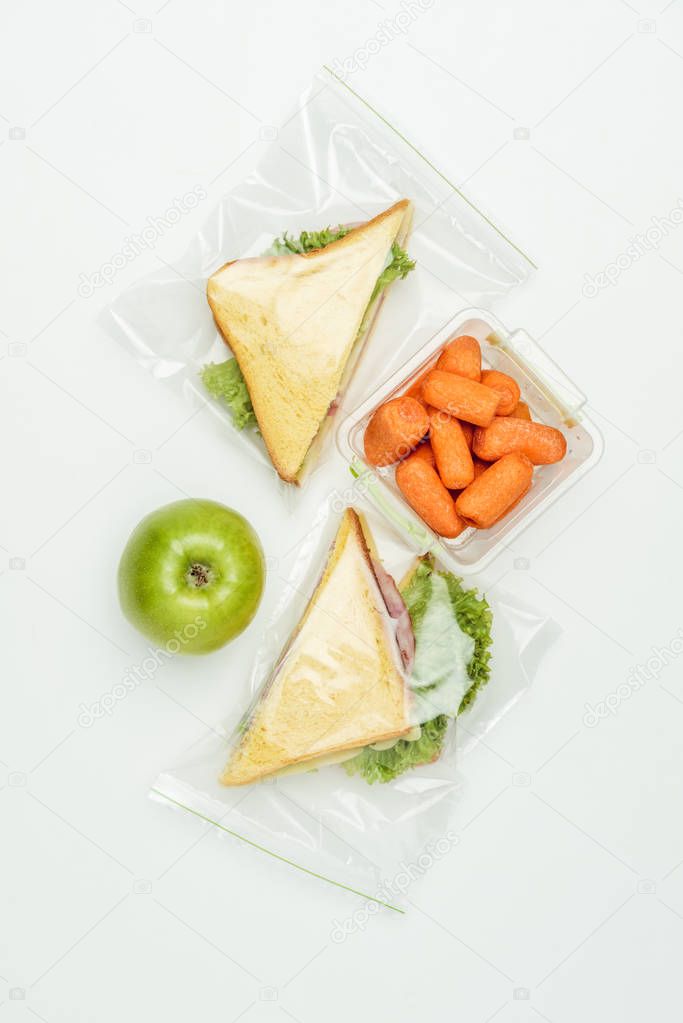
(339, 684)
(293, 322)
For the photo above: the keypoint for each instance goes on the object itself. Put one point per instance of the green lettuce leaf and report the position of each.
(307, 241)
(473, 615)
(385, 765)
(400, 266)
(224, 381)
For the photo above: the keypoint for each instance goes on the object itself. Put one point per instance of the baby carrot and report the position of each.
(494, 493)
(460, 397)
(521, 411)
(506, 387)
(462, 356)
(510, 509)
(451, 451)
(425, 493)
(394, 429)
(541, 444)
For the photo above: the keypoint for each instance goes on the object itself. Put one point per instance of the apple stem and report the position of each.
(198, 575)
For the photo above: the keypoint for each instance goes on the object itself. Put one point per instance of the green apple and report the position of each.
(191, 576)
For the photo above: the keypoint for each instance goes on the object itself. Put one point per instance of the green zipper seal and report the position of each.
(283, 859)
(389, 509)
(430, 164)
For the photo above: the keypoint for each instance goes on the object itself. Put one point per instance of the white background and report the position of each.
(563, 898)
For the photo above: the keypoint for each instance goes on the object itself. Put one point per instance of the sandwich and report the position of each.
(296, 320)
(340, 683)
(372, 675)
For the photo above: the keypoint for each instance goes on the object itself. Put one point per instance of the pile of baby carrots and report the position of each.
(465, 443)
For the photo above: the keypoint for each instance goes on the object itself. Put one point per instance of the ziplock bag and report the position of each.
(335, 161)
(342, 822)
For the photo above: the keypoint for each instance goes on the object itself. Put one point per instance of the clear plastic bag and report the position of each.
(326, 822)
(335, 161)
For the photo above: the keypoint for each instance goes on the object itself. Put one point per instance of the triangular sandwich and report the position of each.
(293, 322)
(339, 684)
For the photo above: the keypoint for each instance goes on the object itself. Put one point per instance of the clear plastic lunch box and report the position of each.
(552, 398)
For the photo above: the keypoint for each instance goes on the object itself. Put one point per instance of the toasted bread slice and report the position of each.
(339, 684)
(292, 322)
